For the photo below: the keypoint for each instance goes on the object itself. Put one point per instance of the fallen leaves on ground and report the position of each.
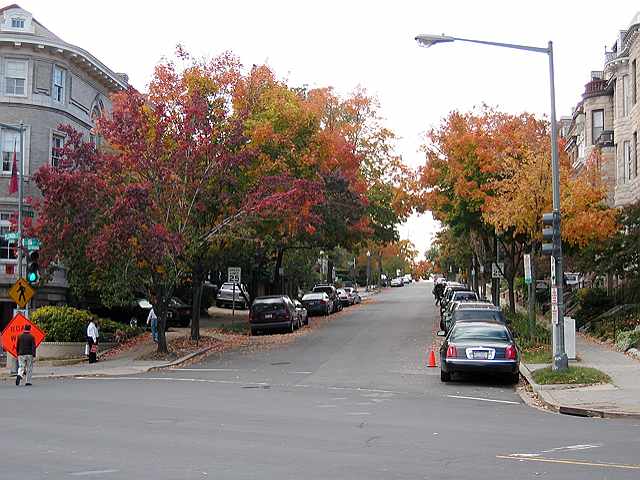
(126, 346)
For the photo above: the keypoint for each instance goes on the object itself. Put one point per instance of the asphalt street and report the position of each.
(351, 400)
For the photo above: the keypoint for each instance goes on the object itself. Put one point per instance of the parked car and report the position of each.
(479, 347)
(407, 279)
(136, 313)
(475, 312)
(273, 312)
(303, 316)
(226, 295)
(449, 290)
(353, 293)
(572, 279)
(317, 303)
(344, 298)
(397, 282)
(333, 295)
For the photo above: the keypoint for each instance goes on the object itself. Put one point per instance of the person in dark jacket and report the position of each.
(438, 290)
(26, 347)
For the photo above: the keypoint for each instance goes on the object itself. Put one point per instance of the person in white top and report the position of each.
(92, 341)
(152, 320)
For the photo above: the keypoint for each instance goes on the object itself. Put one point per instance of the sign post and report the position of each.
(234, 274)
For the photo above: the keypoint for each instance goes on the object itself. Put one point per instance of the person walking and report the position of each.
(92, 341)
(152, 320)
(26, 347)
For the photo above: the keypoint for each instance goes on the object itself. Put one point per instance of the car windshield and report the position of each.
(229, 286)
(465, 296)
(467, 332)
(267, 305)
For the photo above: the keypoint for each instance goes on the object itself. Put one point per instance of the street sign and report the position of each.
(234, 274)
(31, 243)
(21, 292)
(527, 268)
(554, 314)
(553, 270)
(15, 328)
(554, 296)
(10, 237)
(497, 269)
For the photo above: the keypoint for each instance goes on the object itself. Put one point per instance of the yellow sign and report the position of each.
(21, 292)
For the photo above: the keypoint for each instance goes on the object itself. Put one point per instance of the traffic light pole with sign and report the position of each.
(553, 248)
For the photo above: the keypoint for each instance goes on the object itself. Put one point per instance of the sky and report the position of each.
(348, 43)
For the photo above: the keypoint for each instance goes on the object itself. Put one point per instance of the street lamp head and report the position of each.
(427, 40)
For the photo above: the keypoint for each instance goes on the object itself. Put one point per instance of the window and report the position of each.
(627, 160)
(7, 251)
(626, 95)
(10, 145)
(17, 22)
(58, 83)
(15, 77)
(597, 125)
(633, 82)
(635, 154)
(57, 142)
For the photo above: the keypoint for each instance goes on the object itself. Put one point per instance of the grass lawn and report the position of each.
(237, 327)
(573, 375)
(538, 354)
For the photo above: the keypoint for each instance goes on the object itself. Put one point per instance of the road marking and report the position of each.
(92, 472)
(326, 406)
(206, 369)
(174, 379)
(509, 402)
(359, 413)
(570, 462)
(300, 373)
(569, 448)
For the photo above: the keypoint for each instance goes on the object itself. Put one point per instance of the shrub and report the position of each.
(68, 324)
(519, 324)
(628, 339)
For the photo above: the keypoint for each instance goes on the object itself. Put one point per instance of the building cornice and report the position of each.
(76, 55)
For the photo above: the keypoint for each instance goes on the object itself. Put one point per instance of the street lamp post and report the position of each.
(560, 361)
(12, 362)
(368, 270)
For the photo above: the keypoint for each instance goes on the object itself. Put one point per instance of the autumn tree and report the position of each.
(179, 173)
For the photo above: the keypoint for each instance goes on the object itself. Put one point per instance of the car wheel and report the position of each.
(514, 377)
(254, 332)
(445, 376)
(134, 322)
(306, 320)
(219, 304)
(292, 327)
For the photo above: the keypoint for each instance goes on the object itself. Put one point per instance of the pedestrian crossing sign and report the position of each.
(21, 292)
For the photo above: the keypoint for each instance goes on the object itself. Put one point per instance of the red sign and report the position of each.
(15, 328)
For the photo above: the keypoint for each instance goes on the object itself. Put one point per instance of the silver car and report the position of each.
(225, 296)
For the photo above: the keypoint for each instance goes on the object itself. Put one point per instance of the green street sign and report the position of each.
(10, 236)
(31, 243)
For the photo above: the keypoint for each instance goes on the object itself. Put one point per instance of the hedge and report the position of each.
(68, 324)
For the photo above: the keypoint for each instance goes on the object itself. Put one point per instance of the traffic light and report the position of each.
(33, 270)
(551, 230)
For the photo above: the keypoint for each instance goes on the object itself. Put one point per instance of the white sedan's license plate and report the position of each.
(480, 355)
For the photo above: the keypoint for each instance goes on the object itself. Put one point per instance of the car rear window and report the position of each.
(268, 305)
(479, 314)
(327, 290)
(469, 332)
(313, 296)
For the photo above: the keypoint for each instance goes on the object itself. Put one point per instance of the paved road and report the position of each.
(349, 401)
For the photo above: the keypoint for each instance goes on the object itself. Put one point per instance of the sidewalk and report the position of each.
(621, 398)
(124, 364)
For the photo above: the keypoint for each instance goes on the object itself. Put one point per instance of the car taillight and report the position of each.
(452, 352)
(510, 352)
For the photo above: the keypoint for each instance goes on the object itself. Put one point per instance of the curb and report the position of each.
(153, 368)
(180, 361)
(541, 393)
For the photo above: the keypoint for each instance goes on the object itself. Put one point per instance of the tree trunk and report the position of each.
(277, 280)
(196, 301)
(329, 270)
(512, 298)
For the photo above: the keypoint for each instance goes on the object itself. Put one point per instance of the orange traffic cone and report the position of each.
(432, 359)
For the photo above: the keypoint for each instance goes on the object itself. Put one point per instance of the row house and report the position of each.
(607, 119)
(44, 82)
